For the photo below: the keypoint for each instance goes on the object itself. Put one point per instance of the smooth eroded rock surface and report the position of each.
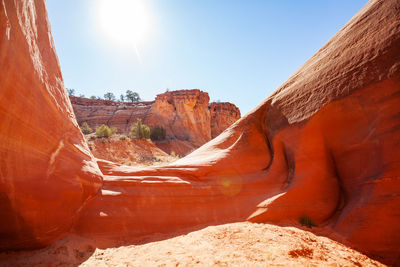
(46, 170)
(326, 145)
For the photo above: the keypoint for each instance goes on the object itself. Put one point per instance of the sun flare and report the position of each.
(126, 22)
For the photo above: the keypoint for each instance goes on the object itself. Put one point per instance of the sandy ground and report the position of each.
(235, 244)
(131, 152)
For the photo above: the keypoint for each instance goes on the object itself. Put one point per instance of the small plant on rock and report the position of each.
(103, 131)
(139, 131)
(85, 128)
(158, 133)
(113, 130)
(307, 221)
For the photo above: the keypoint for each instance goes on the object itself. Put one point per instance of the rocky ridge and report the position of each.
(187, 116)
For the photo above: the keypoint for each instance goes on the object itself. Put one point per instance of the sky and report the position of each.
(237, 51)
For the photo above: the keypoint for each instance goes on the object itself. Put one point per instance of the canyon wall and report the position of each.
(46, 170)
(120, 115)
(325, 145)
(223, 115)
(189, 119)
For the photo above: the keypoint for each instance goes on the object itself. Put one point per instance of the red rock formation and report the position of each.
(325, 145)
(128, 152)
(46, 170)
(223, 115)
(185, 114)
(120, 115)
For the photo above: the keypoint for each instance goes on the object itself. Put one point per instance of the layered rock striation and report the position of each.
(47, 172)
(325, 145)
(189, 119)
(120, 115)
(223, 115)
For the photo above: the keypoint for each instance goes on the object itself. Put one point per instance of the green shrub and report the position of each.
(139, 131)
(307, 221)
(158, 133)
(103, 131)
(122, 137)
(113, 130)
(85, 128)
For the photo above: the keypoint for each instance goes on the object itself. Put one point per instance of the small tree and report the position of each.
(93, 97)
(71, 91)
(122, 98)
(103, 131)
(85, 128)
(139, 131)
(109, 96)
(158, 133)
(132, 96)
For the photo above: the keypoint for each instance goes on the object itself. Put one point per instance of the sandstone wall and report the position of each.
(326, 145)
(223, 115)
(46, 170)
(112, 113)
(189, 119)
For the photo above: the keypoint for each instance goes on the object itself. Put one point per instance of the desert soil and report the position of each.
(235, 244)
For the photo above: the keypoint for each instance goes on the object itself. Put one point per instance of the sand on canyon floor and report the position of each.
(234, 244)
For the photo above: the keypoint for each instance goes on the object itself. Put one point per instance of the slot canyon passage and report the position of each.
(325, 145)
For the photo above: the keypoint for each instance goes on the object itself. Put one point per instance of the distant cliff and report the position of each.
(188, 117)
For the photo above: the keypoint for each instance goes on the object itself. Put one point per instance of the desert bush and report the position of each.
(103, 131)
(85, 128)
(139, 131)
(122, 137)
(113, 130)
(307, 221)
(158, 133)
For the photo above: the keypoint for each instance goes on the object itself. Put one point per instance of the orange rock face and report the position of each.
(223, 115)
(184, 114)
(46, 170)
(127, 151)
(325, 145)
(189, 120)
(115, 114)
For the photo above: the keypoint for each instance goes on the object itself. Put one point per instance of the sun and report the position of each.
(126, 22)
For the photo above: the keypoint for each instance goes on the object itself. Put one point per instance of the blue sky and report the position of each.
(237, 51)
